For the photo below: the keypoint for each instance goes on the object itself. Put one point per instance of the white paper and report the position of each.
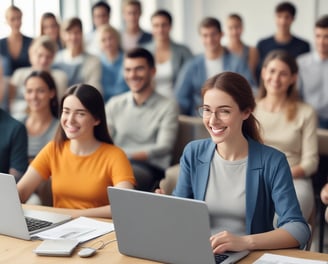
(268, 258)
(81, 229)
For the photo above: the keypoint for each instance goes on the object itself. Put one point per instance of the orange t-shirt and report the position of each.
(81, 182)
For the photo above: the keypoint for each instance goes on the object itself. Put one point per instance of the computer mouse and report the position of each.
(87, 252)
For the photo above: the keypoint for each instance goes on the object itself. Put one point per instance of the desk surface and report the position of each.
(14, 250)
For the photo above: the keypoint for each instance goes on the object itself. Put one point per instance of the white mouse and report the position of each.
(87, 252)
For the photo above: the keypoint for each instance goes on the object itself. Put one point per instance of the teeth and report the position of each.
(219, 130)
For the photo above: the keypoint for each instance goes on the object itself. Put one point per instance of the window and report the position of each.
(32, 11)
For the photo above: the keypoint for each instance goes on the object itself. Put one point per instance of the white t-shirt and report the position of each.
(164, 79)
(225, 195)
(214, 67)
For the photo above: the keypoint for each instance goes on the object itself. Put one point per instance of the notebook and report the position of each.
(13, 220)
(163, 228)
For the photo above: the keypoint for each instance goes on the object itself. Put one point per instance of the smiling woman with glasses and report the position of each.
(219, 113)
(242, 181)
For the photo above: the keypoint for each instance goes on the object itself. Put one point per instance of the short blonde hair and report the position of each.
(13, 8)
(46, 42)
(108, 28)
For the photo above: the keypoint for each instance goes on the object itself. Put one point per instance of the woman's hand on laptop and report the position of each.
(226, 241)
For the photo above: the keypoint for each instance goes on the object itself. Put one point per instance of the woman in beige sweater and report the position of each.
(289, 124)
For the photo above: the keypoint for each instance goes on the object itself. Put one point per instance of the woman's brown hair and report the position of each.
(93, 101)
(239, 89)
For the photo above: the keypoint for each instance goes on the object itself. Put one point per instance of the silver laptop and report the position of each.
(14, 220)
(163, 228)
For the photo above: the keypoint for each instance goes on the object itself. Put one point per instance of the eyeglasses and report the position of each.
(220, 113)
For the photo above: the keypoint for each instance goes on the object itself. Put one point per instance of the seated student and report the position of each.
(42, 120)
(289, 124)
(14, 48)
(51, 28)
(111, 58)
(132, 34)
(79, 65)
(248, 54)
(197, 70)
(143, 122)
(169, 56)
(41, 53)
(13, 146)
(101, 11)
(242, 181)
(283, 38)
(82, 160)
(324, 199)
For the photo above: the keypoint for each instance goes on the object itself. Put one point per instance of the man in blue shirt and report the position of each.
(197, 70)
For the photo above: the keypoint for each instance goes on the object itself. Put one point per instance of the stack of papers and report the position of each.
(81, 229)
(268, 258)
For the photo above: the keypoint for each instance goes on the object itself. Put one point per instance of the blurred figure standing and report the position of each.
(133, 35)
(14, 48)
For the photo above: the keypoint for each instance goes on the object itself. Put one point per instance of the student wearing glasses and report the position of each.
(242, 181)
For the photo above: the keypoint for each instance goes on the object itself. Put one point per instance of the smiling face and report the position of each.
(109, 42)
(234, 29)
(321, 41)
(14, 20)
(284, 21)
(50, 28)
(77, 122)
(38, 95)
(41, 58)
(211, 39)
(226, 125)
(131, 16)
(160, 27)
(138, 74)
(100, 16)
(277, 78)
(73, 38)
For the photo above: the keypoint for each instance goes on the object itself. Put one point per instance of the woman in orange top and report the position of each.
(82, 159)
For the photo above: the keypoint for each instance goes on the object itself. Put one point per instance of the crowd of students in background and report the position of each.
(145, 80)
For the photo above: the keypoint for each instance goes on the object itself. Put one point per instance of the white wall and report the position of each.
(258, 16)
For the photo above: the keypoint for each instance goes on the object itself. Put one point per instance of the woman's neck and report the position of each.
(111, 55)
(15, 35)
(234, 149)
(38, 123)
(163, 44)
(84, 147)
(235, 46)
(40, 116)
(273, 103)
(74, 52)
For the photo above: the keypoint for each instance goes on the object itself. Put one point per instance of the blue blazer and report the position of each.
(269, 187)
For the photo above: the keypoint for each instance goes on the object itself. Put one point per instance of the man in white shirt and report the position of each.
(100, 16)
(313, 72)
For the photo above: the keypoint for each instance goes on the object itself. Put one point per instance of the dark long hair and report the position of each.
(47, 78)
(92, 100)
(239, 89)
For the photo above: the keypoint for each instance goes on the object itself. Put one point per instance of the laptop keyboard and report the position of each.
(220, 258)
(35, 224)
